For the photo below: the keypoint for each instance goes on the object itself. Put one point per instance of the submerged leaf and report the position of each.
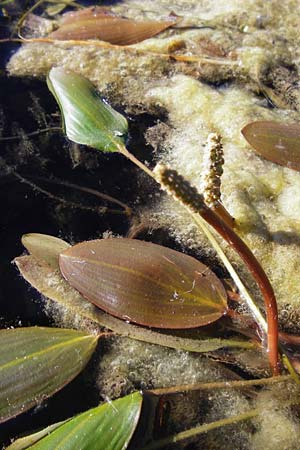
(44, 248)
(144, 283)
(108, 427)
(87, 118)
(36, 362)
(99, 23)
(275, 141)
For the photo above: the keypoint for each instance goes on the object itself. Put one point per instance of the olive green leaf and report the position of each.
(49, 282)
(278, 142)
(87, 118)
(26, 441)
(35, 362)
(107, 427)
(44, 248)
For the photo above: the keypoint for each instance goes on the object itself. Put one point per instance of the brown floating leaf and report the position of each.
(144, 283)
(47, 279)
(98, 23)
(275, 141)
(86, 13)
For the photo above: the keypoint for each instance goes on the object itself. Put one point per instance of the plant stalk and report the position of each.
(183, 192)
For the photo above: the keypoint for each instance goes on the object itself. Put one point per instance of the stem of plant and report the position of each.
(260, 277)
(161, 443)
(188, 195)
(173, 183)
(234, 384)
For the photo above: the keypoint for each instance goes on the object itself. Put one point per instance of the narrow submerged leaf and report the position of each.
(144, 283)
(99, 23)
(108, 427)
(36, 362)
(275, 141)
(44, 248)
(87, 118)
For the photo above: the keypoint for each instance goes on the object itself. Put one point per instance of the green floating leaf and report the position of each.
(108, 427)
(275, 141)
(87, 118)
(36, 362)
(49, 282)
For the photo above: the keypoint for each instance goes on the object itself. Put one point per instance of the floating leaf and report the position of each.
(49, 282)
(87, 118)
(44, 248)
(37, 362)
(108, 427)
(99, 23)
(86, 13)
(275, 141)
(144, 283)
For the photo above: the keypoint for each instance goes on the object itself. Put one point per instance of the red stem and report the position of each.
(260, 277)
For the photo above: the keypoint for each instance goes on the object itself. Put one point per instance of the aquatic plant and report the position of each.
(88, 120)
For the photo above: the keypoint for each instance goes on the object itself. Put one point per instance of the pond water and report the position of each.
(171, 107)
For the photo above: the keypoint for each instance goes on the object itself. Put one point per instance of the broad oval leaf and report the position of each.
(108, 427)
(87, 118)
(49, 282)
(275, 141)
(99, 23)
(35, 362)
(144, 283)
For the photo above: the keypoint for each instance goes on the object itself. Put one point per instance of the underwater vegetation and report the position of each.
(174, 311)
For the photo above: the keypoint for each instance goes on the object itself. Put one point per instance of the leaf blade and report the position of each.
(102, 24)
(107, 427)
(44, 247)
(35, 362)
(87, 118)
(275, 141)
(145, 283)
(49, 282)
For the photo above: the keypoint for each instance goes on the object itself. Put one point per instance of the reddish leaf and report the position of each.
(275, 141)
(144, 283)
(99, 23)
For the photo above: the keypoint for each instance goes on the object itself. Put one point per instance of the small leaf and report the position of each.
(99, 23)
(144, 283)
(108, 427)
(44, 248)
(87, 118)
(36, 362)
(275, 141)
(57, 8)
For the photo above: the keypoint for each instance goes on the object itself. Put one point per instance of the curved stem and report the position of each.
(182, 191)
(260, 277)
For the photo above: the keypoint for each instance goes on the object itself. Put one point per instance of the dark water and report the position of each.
(28, 106)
